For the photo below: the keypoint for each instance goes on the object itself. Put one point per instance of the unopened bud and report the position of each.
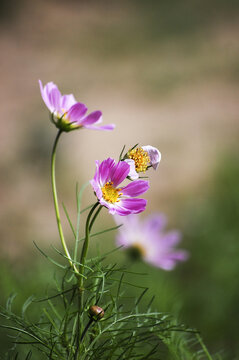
(96, 312)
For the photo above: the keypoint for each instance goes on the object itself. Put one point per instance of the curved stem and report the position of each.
(86, 328)
(58, 219)
(94, 218)
(88, 227)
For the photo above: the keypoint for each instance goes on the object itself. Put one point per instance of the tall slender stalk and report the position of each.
(54, 191)
(94, 218)
(89, 223)
(88, 227)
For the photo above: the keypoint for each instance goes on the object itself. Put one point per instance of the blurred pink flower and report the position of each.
(67, 113)
(121, 201)
(148, 240)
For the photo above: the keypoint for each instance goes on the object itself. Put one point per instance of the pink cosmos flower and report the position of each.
(141, 159)
(67, 113)
(121, 201)
(148, 240)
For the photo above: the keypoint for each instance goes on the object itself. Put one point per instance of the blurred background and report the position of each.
(166, 73)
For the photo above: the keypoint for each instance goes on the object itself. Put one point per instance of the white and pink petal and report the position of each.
(67, 101)
(108, 127)
(76, 112)
(154, 155)
(133, 175)
(92, 118)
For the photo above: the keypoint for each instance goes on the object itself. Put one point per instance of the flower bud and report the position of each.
(96, 312)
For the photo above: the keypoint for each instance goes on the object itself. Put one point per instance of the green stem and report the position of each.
(86, 329)
(58, 219)
(203, 347)
(88, 227)
(94, 218)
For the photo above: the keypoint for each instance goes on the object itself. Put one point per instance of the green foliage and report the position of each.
(59, 326)
(126, 331)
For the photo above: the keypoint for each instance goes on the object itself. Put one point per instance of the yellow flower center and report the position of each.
(141, 159)
(136, 251)
(138, 247)
(110, 193)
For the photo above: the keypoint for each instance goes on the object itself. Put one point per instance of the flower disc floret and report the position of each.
(68, 114)
(110, 193)
(141, 159)
(119, 200)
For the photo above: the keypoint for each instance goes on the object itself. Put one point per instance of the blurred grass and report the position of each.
(209, 282)
(25, 278)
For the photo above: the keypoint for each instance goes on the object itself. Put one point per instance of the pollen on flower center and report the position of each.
(141, 159)
(110, 193)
